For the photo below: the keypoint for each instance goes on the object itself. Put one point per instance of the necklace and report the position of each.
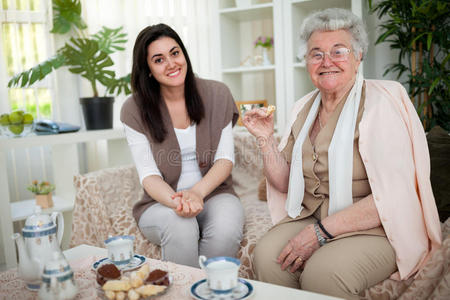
(320, 123)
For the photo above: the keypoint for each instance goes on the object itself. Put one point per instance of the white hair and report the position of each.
(332, 19)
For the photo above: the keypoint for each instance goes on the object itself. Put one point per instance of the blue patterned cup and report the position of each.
(222, 273)
(120, 249)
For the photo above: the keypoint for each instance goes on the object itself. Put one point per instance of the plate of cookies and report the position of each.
(140, 284)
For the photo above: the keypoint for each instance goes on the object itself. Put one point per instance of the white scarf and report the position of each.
(340, 156)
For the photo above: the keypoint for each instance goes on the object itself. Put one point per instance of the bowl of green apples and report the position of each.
(16, 124)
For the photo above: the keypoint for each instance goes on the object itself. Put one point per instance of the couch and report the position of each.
(103, 207)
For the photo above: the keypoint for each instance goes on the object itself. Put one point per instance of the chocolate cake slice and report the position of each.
(158, 277)
(107, 272)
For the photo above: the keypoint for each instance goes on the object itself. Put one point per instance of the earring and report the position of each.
(150, 75)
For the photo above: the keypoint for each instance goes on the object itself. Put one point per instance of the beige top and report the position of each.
(315, 166)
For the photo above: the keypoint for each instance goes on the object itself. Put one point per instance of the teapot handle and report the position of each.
(201, 261)
(60, 232)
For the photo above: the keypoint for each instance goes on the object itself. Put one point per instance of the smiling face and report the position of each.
(167, 62)
(329, 76)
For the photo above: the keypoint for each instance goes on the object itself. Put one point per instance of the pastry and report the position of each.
(117, 285)
(150, 290)
(107, 272)
(270, 110)
(158, 277)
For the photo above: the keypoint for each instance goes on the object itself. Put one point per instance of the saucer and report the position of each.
(201, 291)
(136, 262)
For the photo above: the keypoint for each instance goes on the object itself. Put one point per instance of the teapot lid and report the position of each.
(38, 221)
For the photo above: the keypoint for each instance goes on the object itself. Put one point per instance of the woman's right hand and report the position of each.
(188, 203)
(258, 123)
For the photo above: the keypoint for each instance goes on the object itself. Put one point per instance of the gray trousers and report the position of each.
(343, 268)
(216, 231)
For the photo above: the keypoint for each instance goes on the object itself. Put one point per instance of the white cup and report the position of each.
(120, 249)
(221, 272)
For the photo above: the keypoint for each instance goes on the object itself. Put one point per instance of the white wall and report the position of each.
(378, 56)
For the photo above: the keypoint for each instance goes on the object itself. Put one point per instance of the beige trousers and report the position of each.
(343, 268)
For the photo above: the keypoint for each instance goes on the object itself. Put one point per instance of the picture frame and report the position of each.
(244, 106)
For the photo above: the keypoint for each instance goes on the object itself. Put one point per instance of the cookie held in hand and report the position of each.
(270, 110)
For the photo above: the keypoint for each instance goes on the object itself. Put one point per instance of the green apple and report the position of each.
(16, 128)
(27, 118)
(4, 119)
(16, 117)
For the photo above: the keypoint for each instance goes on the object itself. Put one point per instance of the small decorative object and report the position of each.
(43, 193)
(16, 124)
(247, 62)
(266, 42)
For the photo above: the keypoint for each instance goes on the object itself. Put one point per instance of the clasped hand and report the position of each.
(188, 203)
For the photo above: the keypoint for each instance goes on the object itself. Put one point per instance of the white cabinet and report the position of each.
(286, 79)
(237, 29)
(65, 164)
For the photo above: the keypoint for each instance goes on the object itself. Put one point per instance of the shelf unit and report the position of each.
(237, 28)
(65, 164)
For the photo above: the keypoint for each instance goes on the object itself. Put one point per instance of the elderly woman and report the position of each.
(348, 185)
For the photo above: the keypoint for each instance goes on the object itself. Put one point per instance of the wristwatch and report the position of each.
(320, 238)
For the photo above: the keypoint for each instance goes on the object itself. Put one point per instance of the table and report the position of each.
(82, 257)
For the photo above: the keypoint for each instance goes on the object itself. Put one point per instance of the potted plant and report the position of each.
(42, 192)
(266, 42)
(419, 29)
(87, 56)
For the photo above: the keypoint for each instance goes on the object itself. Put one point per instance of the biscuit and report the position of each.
(117, 285)
(110, 295)
(133, 295)
(150, 290)
(270, 110)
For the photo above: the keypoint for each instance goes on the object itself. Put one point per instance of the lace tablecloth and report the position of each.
(12, 287)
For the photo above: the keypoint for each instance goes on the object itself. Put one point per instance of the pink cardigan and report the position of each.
(394, 150)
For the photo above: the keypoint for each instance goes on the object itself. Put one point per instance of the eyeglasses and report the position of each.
(335, 54)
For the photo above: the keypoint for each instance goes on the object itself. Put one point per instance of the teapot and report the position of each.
(57, 279)
(41, 237)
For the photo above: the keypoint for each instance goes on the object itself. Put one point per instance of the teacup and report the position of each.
(221, 272)
(120, 249)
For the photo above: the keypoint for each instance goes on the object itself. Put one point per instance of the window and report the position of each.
(25, 42)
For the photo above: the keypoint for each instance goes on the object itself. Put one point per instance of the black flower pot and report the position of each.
(97, 112)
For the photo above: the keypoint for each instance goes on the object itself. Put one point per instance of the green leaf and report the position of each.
(38, 72)
(433, 85)
(429, 40)
(382, 37)
(67, 14)
(109, 40)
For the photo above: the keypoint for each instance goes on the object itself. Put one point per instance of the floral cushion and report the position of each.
(104, 201)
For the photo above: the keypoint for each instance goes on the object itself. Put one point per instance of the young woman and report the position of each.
(179, 129)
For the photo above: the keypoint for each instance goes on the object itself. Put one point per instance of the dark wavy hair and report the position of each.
(146, 90)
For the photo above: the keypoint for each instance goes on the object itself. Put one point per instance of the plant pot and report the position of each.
(44, 201)
(97, 112)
